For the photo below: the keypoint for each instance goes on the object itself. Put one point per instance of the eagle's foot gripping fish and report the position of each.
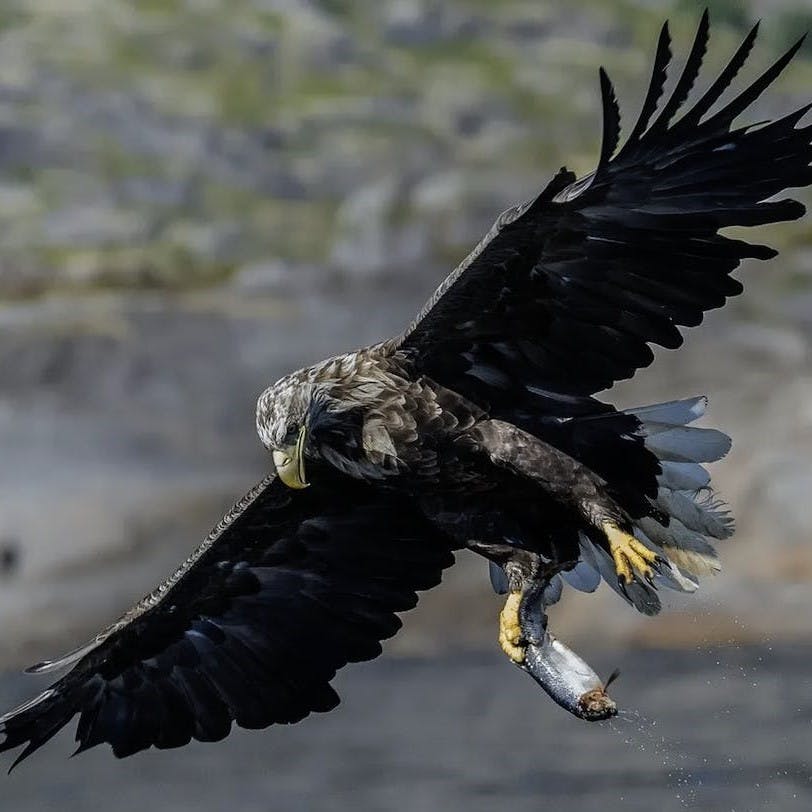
(566, 678)
(528, 581)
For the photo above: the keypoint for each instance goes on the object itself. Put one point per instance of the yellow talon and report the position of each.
(510, 630)
(629, 554)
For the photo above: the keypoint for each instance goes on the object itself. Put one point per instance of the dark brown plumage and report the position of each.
(477, 427)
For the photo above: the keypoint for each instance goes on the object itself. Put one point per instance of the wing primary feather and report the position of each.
(48, 666)
(659, 73)
(748, 96)
(689, 75)
(788, 123)
(611, 120)
(720, 85)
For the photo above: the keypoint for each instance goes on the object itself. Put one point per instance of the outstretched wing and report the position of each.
(289, 587)
(564, 295)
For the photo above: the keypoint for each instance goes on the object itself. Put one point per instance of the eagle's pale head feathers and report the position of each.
(282, 410)
(324, 412)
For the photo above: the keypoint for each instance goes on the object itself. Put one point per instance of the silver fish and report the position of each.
(569, 680)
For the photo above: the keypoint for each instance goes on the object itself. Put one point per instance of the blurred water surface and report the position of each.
(716, 729)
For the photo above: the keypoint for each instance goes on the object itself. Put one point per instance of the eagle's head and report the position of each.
(334, 412)
(283, 412)
(308, 413)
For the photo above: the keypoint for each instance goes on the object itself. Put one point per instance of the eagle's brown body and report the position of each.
(485, 482)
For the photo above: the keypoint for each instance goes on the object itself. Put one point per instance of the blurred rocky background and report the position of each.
(197, 196)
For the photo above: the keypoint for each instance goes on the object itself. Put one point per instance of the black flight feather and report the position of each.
(686, 81)
(611, 121)
(710, 97)
(659, 73)
(748, 96)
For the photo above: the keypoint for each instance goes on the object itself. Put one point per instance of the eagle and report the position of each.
(478, 427)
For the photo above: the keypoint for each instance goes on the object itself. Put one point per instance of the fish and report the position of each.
(568, 679)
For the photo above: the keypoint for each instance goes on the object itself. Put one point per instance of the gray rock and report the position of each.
(94, 225)
(775, 345)
(274, 277)
(362, 242)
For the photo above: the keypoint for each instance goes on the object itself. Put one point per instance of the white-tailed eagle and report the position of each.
(477, 427)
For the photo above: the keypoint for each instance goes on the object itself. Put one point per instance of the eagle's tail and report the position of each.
(686, 515)
(678, 516)
(694, 513)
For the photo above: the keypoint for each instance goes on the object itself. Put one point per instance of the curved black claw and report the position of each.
(622, 585)
(656, 566)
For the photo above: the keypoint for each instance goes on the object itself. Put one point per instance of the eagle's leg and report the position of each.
(566, 678)
(630, 556)
(574, 486)
(522, 619)
(525, 638)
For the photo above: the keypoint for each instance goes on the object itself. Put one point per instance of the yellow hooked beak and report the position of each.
(289, 463)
